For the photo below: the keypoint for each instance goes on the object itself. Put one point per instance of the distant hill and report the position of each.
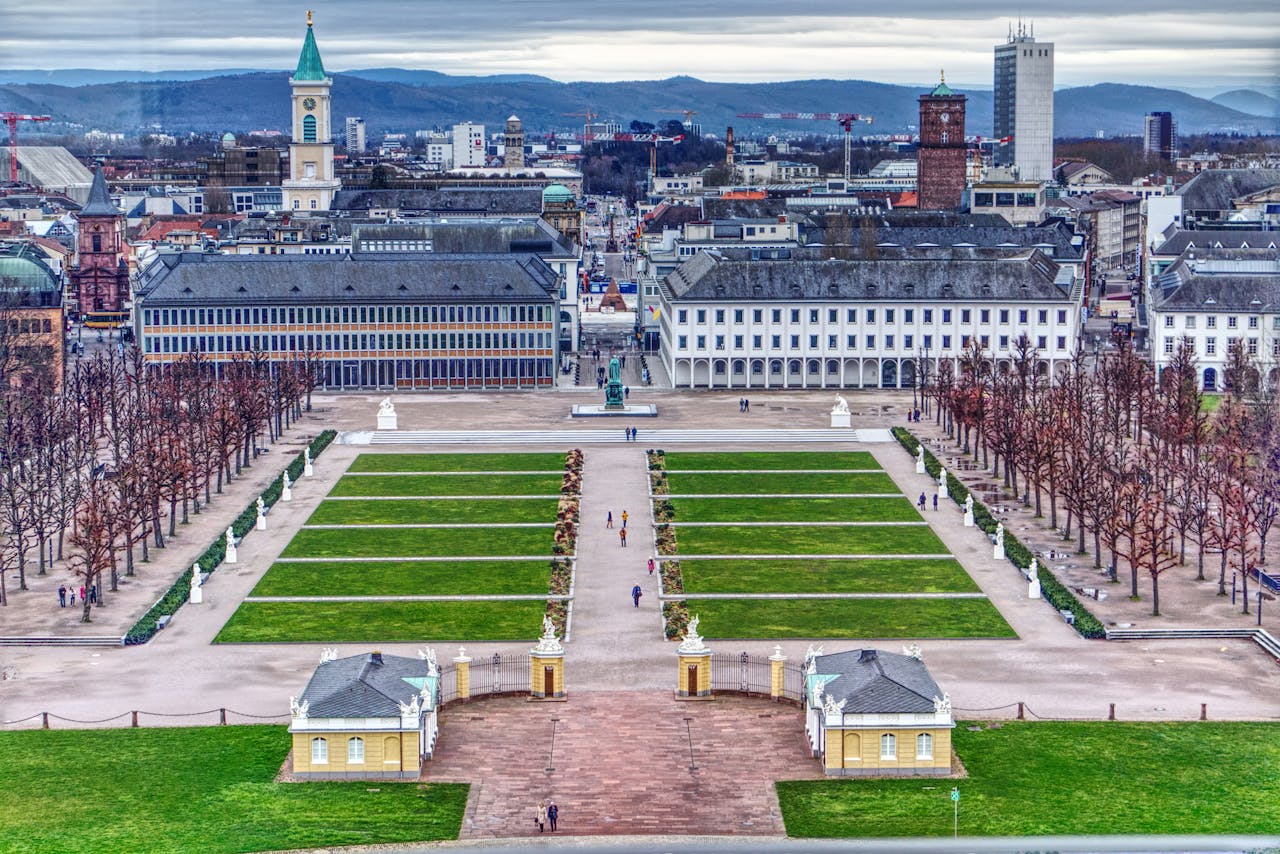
(423, 99)
(1249, 101)
(91, 76)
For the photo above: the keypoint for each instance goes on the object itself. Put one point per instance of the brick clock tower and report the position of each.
(100, 279)
(941, 154)
(311, 184)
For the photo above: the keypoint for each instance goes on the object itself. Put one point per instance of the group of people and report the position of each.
(913, 415)
(920, 501)
(744, 405)
(547, 813)
(629, 433)
(64, 591)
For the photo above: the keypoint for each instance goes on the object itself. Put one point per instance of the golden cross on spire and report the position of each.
(308, 17)
(942, 72)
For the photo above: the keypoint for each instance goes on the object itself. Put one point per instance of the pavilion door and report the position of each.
(692, 685)
(548, 681)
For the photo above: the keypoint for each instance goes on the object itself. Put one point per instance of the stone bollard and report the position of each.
(776, 673)
(462, 670)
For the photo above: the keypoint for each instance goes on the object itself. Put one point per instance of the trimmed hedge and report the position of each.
(675, 614)
(180, 590)
(1053, 591)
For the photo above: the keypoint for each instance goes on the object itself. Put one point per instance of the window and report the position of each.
(1041, 342)
(776, 342)
(986, 341)
(928, 341)
(682, 342)
(795, 342)
(757, 341)
(1062, 342)
(1062, 315)
(701, 315)
(719, 342)
(1004, 342)
(757, 316)
(795, 315)
(965, 315)
(888, 315)
(832, 342)
(1168, 321)
(1022, 315)
(908, 341)
(924, 746)
(928, 315)
(308, 128)
(737, 342)
(888, 746)
(1231, 323)
(946, 315)
(777, 315)
(813, 315)
(908, 315)
(702, 342)
(851, 315)
(1253, 323)
(737, 315)
(1191, 321)
(1252, 346)
(719, 315)
(888, 342)
(871, 315)
(1042, 316)
(319, 751)
(833, 315)
(682, 316)
(871, 342)
(813, 342)
(355, 750)
(984, 315)
(851, 342)
(1004, 315)
(946, 342)
(1211, 322)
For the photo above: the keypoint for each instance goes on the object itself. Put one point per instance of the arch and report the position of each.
(888, 746)
(775, 367)
(391, 750)
(1042, 369)
(946, 366)
(702, 372)
(319, 751)
(888, 374)
(833, 366)
(851, 374)
(908, 372)
(683, 372)
(793, 366)
(870, 373)
(739, 367)
(852, 749)
(355, 750)
(924, 746)
(1273, 379)
(308, 128)
(1061, 369)
(813, 367)
(1210, 379)
(718, 367)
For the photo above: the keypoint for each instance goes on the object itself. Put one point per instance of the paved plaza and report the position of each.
(621, 731)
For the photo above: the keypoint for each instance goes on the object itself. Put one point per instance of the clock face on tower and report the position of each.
(309, 103)
(946, 117)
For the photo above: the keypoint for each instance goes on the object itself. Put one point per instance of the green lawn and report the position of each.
(807, 575)
(427, 511)
(804, 539)
(420, 542)
(781, 483)
(201, 790)
(458, 462)
(849, 618)
(795, 460)
(448, 484)
(794, 510)
(1066, 778)
(405, 578)
(373, 622)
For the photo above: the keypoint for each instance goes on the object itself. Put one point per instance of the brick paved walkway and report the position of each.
(622, 763)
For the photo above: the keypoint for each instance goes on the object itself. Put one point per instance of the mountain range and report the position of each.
(407, 100)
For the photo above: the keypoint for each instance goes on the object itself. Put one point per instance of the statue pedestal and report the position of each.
(840, 419)
(942, 492)
(1033, 588)
(919, 466)
(997, 552)
(286, 494)
(231, 555)
(968, 518)
(387, 422)
(262, 523)
(197, 595)
(309, 470)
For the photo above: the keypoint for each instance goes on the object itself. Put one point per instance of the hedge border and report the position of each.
(1053, 590)
(180, 591)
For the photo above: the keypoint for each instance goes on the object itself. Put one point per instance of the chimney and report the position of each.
(867, 655)
(375, 657)
(728, 145)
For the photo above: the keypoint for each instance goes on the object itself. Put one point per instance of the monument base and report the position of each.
(598, 410)
(387, 422)
(840, 419)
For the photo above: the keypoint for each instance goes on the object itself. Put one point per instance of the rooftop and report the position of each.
(871, 681)
(365, 686)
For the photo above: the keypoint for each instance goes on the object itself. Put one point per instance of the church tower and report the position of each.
(100, 278)
(311, 184)
(940, 158)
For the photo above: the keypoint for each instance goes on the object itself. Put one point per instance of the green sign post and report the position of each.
(955, 802)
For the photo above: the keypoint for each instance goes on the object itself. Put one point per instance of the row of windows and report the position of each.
(851, 342)
(851, 315)
(889, 746)
(320, 750)
(347, 342)
(1211, 321)
(348, 314)
(1211, 345)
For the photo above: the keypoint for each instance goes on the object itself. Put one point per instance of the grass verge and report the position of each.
(801, 539)
(807, 575)
(794, 510)
(372, 622)
(202, 790)
(782, 483)
(794, 460)
(405, 578)
(419, 542)
(850, 618)
(426, 511)
(458, 462)
(1065, 778)
(459, 484)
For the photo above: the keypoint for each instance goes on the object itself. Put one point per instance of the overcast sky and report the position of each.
(1188, 43)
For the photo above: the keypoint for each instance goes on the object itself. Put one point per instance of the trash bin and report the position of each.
(1068, 616)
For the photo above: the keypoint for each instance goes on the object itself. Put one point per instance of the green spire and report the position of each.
(941, 89)
(309, 65)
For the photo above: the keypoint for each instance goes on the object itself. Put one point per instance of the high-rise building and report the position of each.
(513, 143)
(468, 145)
(1024, 104)
(312, 183)
(940, 158)
(356, 141)
(1160, 136)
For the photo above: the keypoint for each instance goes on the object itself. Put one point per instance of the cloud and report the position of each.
(745, 40)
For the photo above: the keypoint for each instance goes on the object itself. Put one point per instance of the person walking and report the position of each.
(553, 813)
(82, 593)
(920, 502)
(62, 595)
(608, 520)
(935, 501)
(651, 566)
(746, 404)
(72, 591)
(636, 593)
(540, 816)
(624, 518)
(634, 431)
(622, 535)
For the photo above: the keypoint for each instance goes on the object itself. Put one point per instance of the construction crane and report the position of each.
(647, 138)
(688, 115)
(586, 116)
(845, 120)
(12, 119)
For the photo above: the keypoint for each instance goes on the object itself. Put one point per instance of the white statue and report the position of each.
(261, 524)
(1000, 534)
(692, 640)
(411, 708)
(912, 650)
(298, 710)
(197, 591)
(231, 547)
(942, 706)
(920, 459)
(307, 469)
(386, 407)
(462, 654)
(810, 659)
(548, 644)
(830, 708)
(942, 478)
(842, 405)
(1033, 571)
(429, 656)
(329, 653)
(968, 511)
(286, 487)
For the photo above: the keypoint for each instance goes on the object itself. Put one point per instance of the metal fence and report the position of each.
(499, 674)
(793, 682)
(740, 673)
(447, 687)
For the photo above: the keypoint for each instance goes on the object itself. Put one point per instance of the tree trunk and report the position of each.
(1244, 583)
(1133, 572)
(1155, 595)
(1222, 575)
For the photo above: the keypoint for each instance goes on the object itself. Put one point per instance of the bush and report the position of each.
(178, 593)
(1053, 591)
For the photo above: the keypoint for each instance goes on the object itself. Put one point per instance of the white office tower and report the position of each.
(468, 145)
(355, 135)
(1024, 104)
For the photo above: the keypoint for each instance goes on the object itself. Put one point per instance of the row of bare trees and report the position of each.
(1133, 465)
(108, 466)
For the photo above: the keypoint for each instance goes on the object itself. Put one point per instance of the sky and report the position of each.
(1184, 43)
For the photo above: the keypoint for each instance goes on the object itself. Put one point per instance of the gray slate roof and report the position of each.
(359, 687)
(875, 682)
(195, 278)
(1178, 242)
(493, 201)
(471, 236)
(99, 202)
(895, 274)
(1235, 279)
(1214, 189)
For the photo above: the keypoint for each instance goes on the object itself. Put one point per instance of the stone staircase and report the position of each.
(646, 438)
(79, 640)
(1261, 637)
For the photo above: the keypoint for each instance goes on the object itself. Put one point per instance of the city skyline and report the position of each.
(1169, 44)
